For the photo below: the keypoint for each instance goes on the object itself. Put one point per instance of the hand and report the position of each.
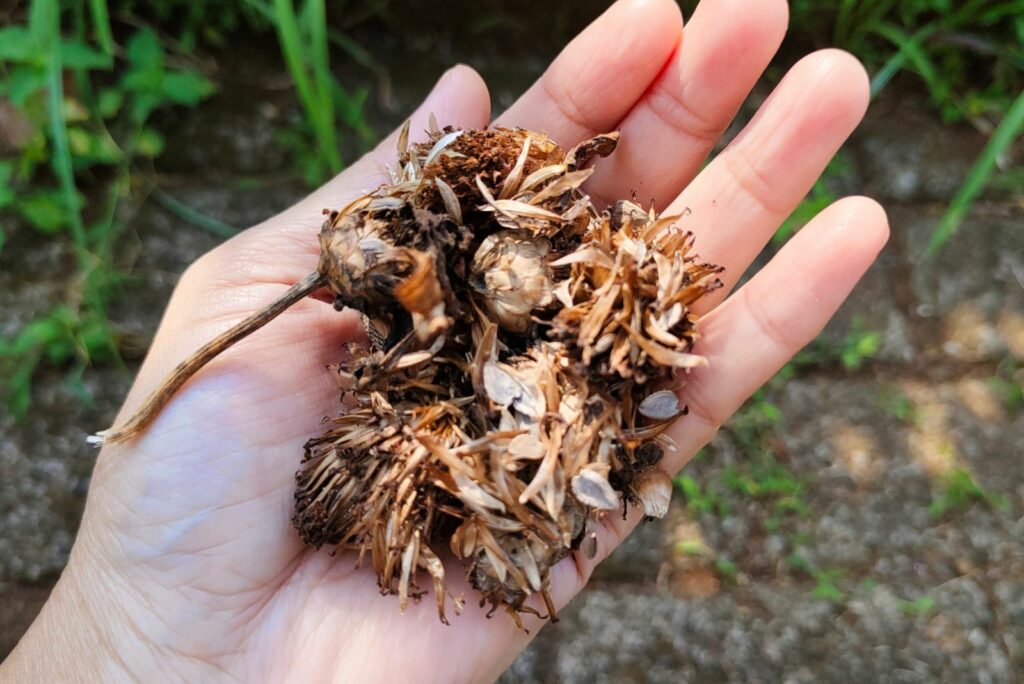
(186, 565)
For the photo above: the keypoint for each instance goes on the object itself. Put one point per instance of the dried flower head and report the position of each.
(523, 351)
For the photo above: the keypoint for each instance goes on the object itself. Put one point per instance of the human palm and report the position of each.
(186, 565)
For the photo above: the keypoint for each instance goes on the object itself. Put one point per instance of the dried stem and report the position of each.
(190, 366)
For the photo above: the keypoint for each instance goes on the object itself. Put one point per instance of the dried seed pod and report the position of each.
(508, 398)
(511, 274)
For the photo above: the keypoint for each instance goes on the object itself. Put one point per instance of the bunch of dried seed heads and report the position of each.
(524, 348)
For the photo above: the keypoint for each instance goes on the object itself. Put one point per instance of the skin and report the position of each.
(186, 567)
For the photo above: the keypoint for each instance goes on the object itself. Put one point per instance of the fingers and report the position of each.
(737, 202)
(749, 337)
(725, 47)
(599, 76)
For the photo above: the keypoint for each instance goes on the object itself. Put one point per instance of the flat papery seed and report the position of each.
(403, 138)
(661, 405)
(382, 203)
(570, 181)
(442, 142)
(590, 253)
(484, 190)
(563, 294)
(530, 568)
(505, 387)
(531, 402)
(501, 386)
(414, 359)
(474, 495)
(511, 183)
(592, 488)
(526, 447)
(515, 208)
(541, 175)
(451, 202)
(654, 489)
(589, 545)
(403, 582)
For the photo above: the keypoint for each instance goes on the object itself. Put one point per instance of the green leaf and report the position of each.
(61, 155)
(44, 23)
(44, 211)
(79, 141)
(17, 44)
(149, 143)
(75, 55)
(186, 87)
(6, 174)
(109, 103)
(144, 50)
(22, 83)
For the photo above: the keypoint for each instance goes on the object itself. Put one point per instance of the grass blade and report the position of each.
(320, 63)
(49, 32)
(311, 94)
(101, 22)
(1002, 138)
(918, 58)
(895, 63)
(193, 216)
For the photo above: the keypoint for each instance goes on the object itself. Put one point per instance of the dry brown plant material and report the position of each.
(523, 356)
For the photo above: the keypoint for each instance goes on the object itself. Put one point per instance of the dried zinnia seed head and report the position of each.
(514, 388)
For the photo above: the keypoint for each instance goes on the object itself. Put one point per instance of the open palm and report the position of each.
(186, 566)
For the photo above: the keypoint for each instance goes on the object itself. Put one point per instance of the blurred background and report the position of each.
(862, 518)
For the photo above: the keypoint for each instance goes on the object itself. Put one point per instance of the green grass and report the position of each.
(920, 606)
(969, 55)
(90, 141)
(305, 41)
(826, 585)
(859, 346)
(1008, 384)
(957, 490)
(71, 144)
(1005, 135)
(895, 402)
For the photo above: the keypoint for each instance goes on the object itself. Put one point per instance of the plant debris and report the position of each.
(524, 351)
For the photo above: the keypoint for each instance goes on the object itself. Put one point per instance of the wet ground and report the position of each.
(869, 529)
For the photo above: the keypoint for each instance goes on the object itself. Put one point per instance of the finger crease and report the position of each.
(673, 109)
(751, 180)
(567, 106)
(698, 408)
(769, 327)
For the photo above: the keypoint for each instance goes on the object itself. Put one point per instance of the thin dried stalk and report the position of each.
(190, 366)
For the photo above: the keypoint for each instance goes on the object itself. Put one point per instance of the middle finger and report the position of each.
(669, 132)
